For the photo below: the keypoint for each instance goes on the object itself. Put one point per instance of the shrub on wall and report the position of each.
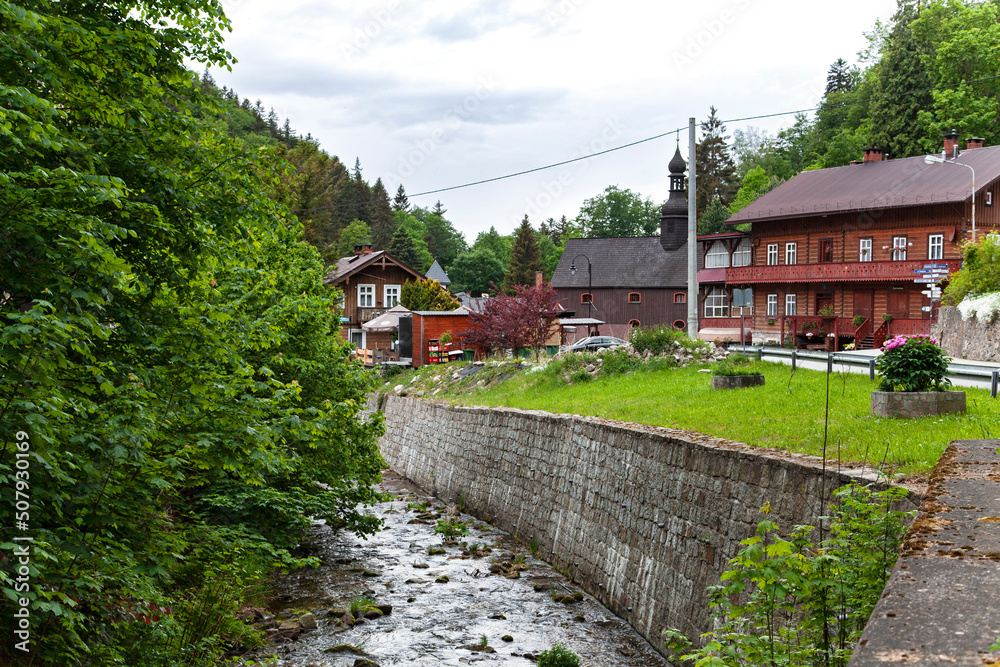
(980, 272)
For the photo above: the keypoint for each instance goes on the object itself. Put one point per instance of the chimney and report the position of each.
(539, 280)
(873, 155)
(367, 249)
(359, 250)
(974, 142)
(951, 145)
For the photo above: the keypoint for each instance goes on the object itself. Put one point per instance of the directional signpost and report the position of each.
(931, 275)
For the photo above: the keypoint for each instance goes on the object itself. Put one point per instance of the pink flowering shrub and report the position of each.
(912, 363)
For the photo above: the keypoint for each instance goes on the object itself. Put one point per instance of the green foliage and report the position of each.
(858, 320)
(444, 242)
(356, 233)
(426, 295)
(716, 172)
(789, 601)
(618, 212)
(735, 364)
(912, 363)
(525, 257)
(165, 339)
(618, 361)
(496, 243)
(450, 528)
(755, 185)
(663, 338)
(980, 272)
(713, 219)
(558, 656)
(476, 272)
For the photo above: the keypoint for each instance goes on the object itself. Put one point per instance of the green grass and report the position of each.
(787, 413)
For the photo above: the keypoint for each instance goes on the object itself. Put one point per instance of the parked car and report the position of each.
(593, 343)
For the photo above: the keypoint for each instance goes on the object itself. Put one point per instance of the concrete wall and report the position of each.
(643, 518)
(970, 339)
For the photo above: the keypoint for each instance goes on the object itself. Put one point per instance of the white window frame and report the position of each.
(865, 250)
(717, 303)
(790, 305)
(366, 295)
(899, 248)
(772, 305)
(743, 254)
(391, 292)
(935, 246)
(717, 256)
(791, 253)
(772, 254)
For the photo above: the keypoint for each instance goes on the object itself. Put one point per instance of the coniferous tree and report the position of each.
(383, 222)
(525, 257)
(403, 248)
(713, 219)
(438, 209)
(716, 171)
(401, 202)
(839, 78)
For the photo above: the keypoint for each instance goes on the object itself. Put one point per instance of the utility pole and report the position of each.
(692, 297)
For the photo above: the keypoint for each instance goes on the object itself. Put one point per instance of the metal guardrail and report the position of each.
(955, 369)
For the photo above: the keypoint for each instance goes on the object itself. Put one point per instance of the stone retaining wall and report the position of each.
(643, 518)
(967, 339)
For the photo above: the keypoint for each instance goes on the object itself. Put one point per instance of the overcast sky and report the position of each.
(435, 93)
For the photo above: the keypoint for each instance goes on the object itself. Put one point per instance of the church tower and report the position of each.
(674, 213)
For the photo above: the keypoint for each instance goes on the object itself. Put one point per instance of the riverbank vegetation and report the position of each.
(175, 404)
(787, 414)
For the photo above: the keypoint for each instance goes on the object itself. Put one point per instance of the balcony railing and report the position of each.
(833, 271)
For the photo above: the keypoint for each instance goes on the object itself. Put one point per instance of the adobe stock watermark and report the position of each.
(21, 553)
(711, 30)
(453, 118)
(552, 189)
(380, 19)
(562, 11)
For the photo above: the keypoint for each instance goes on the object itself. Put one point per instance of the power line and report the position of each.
(655, 137)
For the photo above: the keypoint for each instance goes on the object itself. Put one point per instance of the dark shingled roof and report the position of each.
(622, 263)
(438, 274)
(348, 265)
(875, 185)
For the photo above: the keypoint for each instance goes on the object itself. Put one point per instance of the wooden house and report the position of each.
(835, 253)
(371, 283)
(635, 281)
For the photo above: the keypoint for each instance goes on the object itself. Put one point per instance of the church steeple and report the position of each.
(673, 214)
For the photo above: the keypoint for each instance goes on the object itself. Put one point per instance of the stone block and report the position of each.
(913, 404)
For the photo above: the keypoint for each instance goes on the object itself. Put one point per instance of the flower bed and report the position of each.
(912, 371)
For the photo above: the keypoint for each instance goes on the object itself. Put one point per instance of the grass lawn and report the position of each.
(787, 413)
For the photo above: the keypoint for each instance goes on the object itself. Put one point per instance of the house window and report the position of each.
(989, 198)
(586, 298)
(789, 305)
(717, 257)
(935, 245)
(366, 296)
(743, 253)
(898, 248)
(391, 295)
(717, 303)
(634, 297)
(634, 323)
(680, 297)
(772, 254)
(772, 305)
(865, 250)
(791, 250)
(826, 250)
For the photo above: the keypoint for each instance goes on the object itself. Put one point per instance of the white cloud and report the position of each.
(503, 86)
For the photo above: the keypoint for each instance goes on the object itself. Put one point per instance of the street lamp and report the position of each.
(931, 159)
(590, 289)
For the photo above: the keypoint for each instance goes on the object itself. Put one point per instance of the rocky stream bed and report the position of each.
(420, 598)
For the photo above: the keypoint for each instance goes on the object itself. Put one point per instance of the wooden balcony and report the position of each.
(358, 316)
(833, 272)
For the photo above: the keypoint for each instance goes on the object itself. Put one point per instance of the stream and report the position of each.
(447, 608)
